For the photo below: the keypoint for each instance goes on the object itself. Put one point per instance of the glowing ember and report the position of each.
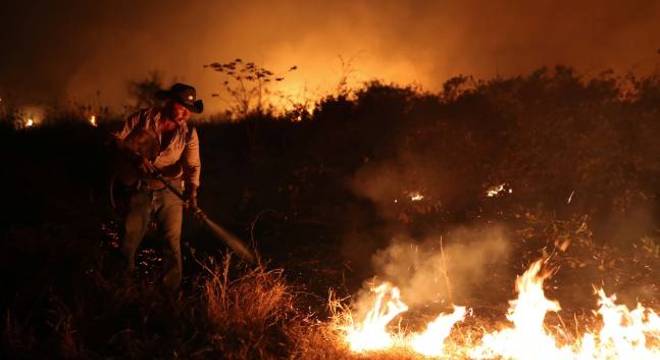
(497, 189)
(570, 197)
(92, 120)
(416, 196)
(431, 341)
(371, 333)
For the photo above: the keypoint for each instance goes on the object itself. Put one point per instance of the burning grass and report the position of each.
(231, 311)
(621, 333)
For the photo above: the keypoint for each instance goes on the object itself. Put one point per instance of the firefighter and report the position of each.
(161, 138)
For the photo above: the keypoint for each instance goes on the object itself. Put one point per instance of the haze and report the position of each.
(58, 51)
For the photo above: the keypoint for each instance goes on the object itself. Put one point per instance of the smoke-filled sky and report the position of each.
(69, 49)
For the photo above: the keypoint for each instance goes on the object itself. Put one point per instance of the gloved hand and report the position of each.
(191, 196)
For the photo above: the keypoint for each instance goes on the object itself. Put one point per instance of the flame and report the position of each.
(371, 333)
(623, 333)
(92, 120)
(622, 336)
(29, 123)
(431, 341)
(527, 339)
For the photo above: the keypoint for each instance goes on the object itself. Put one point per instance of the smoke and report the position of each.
(407, 184)
(444, 269)
(87, 51)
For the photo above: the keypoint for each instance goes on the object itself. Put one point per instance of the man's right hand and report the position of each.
(190, 196)
(144, 166)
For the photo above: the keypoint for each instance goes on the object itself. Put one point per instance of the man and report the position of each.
(160, 138)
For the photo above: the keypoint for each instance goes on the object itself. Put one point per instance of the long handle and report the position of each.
(230, 239)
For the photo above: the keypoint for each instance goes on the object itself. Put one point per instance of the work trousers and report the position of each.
(168, 211)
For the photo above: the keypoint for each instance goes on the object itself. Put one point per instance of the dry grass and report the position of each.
(237, 312)
(314, 339)
(248, 316)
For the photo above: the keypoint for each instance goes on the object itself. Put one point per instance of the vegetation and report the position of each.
(316, 197)
(248, 85)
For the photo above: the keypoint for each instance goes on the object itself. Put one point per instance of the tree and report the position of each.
(248, 84)
(143, 92)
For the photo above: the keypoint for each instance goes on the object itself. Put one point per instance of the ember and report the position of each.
(498, 189)
(416, 196)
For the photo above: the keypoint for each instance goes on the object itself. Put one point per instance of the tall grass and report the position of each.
(248, 316)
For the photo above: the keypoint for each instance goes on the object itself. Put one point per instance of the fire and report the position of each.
(92, 120)
(372, 333)
(527, 339)
(431, 341)
(622, 334)
(30, 116)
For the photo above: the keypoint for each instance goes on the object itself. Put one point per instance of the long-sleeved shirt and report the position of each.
(180, 159)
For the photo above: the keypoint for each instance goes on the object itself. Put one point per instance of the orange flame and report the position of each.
(527, 339)
(624, 333)
(372, 333)
(431, 341)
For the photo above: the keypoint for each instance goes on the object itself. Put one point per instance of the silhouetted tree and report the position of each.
(248, 84)
(143, 92)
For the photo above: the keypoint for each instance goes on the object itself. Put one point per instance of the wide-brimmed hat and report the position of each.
(184, 95)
